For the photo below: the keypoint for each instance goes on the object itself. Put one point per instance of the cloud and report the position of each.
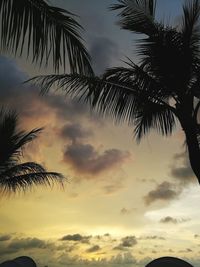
(184, 173)
(126, 258)
(11, 77)
(128, 241)
(113, 187)
(188, 250)
(66, 108)
(151, 237)
(165, 191)
(93, 249)
(74, 132)
(5, 238)
(76, 238)
(125, 211)
(18, 245)
(103, 51)
(169, 219)
(26, 99)
(84, 158)
(28, 243)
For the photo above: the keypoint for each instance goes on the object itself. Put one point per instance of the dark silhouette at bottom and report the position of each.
(168, 262)
(23, 261)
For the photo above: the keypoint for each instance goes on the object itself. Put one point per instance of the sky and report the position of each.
(123, 202)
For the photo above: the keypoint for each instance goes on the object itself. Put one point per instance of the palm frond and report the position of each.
(118, 93)
(137, 15)
(43, 31)
(23, 182)
(14, 176)
(23, 168)
(12, 140)
(190, 24)
(150, 116)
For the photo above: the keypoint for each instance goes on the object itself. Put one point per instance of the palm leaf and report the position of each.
(12, 141)
(43, 31)
(118, 93)
(14, 176)
(25, 168)
(190, 24)
(150, 116)
(137, 15)
(23, 182)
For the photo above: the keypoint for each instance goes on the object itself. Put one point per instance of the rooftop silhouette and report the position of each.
(168, 262)
(22, 261)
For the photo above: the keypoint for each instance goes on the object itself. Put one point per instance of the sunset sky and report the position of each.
(123, 202)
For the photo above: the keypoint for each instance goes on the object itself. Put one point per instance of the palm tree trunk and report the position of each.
(193, 147)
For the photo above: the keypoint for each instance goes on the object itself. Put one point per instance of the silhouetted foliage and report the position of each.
(45, 32)
(16, 175)
(162, 89)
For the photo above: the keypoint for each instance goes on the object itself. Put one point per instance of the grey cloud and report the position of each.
(188, 250)
(165, 191)
(121, 248)
(16, 95)
(71, 109)
(66, 108)
(184, 173)
(169, 219)
(128, 241)
(66, 247)
(74, 132)
(11, 77)
(19, 244)
(5, 237)
(125, 211)
(151, 237)
(103, 51)
(85, 159)
(107, 234)
(26, 99)
(76, 238)
(196, 236)
(93, 249)
(28, 243)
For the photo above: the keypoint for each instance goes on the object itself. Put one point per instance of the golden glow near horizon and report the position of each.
(123, 203)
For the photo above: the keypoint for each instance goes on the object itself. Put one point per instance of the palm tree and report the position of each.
(14, 175)
(45, 32)
(158, 92)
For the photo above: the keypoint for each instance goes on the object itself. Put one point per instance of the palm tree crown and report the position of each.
(44, 32)
(14, 175)
(159, 91)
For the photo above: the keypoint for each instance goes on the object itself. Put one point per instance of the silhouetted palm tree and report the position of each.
(162, 89)
(45, 32)
(15, 175)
